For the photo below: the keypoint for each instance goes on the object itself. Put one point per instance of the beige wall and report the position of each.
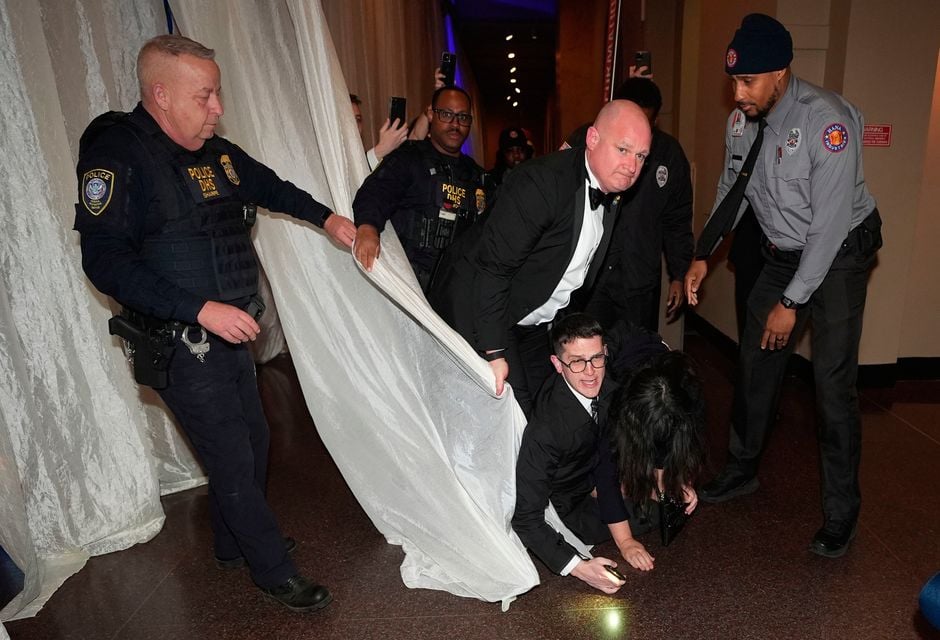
(891, 64)
(886, 64)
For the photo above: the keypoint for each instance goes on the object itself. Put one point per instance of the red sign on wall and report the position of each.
(877, 135)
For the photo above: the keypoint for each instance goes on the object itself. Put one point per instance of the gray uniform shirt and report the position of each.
(807, 189)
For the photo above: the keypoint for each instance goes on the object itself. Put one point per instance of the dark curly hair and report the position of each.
(658, 421)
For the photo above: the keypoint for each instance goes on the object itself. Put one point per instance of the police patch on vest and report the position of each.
(737, 123)
(96, 190)
(229, 170)
(203, 182)
(793, 141)
(835, 137)
(662, 175)
(456, 194)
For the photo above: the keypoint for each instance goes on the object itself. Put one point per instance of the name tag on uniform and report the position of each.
(204, 182)
(737, 123)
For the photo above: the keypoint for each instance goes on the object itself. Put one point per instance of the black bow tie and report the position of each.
(598, 197)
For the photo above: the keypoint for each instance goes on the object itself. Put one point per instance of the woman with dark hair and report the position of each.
(657, 444)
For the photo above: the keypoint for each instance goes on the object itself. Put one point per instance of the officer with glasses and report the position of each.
(428, 189)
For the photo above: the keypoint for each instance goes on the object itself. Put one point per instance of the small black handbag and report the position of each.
(672, 518)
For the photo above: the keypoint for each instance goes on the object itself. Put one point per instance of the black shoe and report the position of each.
(729, 484)
(299, 594)
(832, 541)
(239, 561)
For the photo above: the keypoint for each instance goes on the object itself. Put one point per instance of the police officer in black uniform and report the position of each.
(164, 213)
(428, 189)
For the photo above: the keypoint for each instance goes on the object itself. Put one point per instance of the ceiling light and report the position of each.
(515, 104)
(513, 70)
(511, 56)
(509, 97)
(512, 80)
(517, 90)
(509, 37)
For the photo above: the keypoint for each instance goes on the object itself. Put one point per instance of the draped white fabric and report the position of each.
(83, 454)
(404, 405)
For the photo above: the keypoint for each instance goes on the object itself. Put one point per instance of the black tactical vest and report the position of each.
(203, 245)
(438, 209)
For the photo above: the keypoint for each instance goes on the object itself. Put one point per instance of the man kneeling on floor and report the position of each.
(565, 454)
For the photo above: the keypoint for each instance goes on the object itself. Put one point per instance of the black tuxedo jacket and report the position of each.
(557, 460)
(513, 264)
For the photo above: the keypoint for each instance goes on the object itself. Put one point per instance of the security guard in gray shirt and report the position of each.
(793, 151)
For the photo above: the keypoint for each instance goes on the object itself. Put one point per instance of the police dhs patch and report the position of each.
(97, 186)
(662, 175)
(229, 169)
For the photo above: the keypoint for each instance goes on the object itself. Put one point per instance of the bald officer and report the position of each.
(164, 214)
(795, 150)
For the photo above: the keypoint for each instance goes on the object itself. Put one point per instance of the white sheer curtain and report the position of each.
(84, 456)
(403, 404)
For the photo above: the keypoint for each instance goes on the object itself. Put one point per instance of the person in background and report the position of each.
(513, 148)
(391, 134)
(428, 189)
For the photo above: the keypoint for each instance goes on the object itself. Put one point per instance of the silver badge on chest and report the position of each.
(793, 141)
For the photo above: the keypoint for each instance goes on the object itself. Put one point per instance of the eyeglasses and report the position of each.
(447, 116)
(579, 365)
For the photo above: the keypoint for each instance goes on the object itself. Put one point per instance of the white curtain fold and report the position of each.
(403, 404)
(82, 452)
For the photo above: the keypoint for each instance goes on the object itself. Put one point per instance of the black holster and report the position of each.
(150, 349)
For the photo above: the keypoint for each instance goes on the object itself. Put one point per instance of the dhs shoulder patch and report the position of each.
(97, 187)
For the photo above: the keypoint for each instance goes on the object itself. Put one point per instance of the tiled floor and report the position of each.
(739, 570)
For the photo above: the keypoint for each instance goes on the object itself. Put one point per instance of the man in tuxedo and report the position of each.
(544, 239)
(561, 448)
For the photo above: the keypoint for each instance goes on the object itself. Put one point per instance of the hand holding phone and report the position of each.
(448, 67)
(613, 571)
(644, 59)
(396, 110)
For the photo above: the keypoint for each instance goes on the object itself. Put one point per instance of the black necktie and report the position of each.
(722, 221)
(598, 198)
(594, 408)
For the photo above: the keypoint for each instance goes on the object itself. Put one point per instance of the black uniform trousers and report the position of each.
(218, 406)
(836, 309)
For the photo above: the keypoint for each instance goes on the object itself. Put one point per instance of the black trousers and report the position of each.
(218, 407)
(836, 310)
(528, 354)
(610, 304)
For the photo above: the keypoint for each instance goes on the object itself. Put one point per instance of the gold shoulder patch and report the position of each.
(229, 169)
(97, 187)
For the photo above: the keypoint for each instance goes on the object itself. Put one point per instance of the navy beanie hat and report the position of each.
(761, 45)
